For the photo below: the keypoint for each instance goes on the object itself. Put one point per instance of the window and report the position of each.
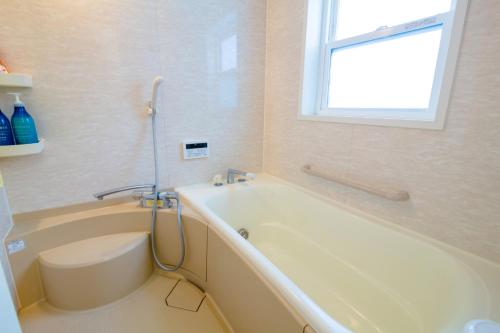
(381, 62)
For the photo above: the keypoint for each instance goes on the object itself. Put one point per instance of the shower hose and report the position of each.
(154, 214)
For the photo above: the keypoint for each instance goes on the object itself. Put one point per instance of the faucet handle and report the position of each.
(217, 180)
(242, 176)
(246, 176)
(250, 176)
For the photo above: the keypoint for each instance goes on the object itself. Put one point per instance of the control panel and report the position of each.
(195, 149)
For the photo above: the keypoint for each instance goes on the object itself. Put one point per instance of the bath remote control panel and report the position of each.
(195, 149)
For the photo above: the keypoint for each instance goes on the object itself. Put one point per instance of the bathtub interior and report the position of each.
(367, 276)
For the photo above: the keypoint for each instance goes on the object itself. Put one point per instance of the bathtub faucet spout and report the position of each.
(102, 195)
(242, 176)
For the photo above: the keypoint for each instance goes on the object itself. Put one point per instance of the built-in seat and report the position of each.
(96, 271)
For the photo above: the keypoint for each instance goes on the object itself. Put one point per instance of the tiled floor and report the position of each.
(145, 310)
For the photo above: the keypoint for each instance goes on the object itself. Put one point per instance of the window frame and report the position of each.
(433, 117)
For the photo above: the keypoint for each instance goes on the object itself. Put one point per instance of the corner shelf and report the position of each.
(14, 80)
(22, 150)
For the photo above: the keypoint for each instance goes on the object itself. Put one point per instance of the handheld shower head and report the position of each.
(156, 85)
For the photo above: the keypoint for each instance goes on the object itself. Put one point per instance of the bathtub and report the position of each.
(343, 270)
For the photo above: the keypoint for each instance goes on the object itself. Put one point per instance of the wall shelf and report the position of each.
(14, 80)
(22, 150)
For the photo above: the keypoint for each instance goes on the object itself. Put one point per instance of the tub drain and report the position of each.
(244, 233)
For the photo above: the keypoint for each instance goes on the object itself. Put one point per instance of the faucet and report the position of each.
(102, 195)
(144, 197)
(243, 176)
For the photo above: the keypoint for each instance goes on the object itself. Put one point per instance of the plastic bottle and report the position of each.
(23, 124)
(6, 136)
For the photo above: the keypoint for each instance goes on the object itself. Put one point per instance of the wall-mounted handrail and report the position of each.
(382, 191)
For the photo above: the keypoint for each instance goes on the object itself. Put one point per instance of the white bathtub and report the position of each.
(345, 271)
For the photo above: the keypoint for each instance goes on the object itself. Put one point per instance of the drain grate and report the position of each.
(244, 233)
(185, 296)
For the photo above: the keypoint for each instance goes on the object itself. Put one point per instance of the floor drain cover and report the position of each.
(244, 233)
(185, 296)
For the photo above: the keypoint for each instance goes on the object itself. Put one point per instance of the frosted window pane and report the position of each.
(388, 73)
(229, 53)
(356, 17)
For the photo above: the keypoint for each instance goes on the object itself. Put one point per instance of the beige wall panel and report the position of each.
(93, 63)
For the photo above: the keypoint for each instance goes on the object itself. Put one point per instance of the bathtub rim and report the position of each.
(45, 219)
(197, 196)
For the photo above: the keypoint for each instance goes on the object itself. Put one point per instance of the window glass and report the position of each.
(356, 17)
(396, 72)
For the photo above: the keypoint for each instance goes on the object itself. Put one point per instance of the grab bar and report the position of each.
(388, 193)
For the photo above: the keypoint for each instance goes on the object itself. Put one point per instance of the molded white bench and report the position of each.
(96, 271)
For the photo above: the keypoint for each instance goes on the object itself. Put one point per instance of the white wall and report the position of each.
(9, 323)
(5, 224)
(93, 62)
(453, 175)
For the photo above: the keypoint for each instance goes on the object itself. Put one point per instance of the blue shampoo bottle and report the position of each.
(6, 136)
(23, 124)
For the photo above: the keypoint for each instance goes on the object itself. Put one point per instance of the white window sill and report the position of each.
(437, 124)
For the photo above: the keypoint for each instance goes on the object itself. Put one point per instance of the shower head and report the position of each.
(156, 85)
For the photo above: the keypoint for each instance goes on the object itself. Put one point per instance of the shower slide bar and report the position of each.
(381, 191)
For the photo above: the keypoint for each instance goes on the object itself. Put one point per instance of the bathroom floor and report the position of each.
(145, 310)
